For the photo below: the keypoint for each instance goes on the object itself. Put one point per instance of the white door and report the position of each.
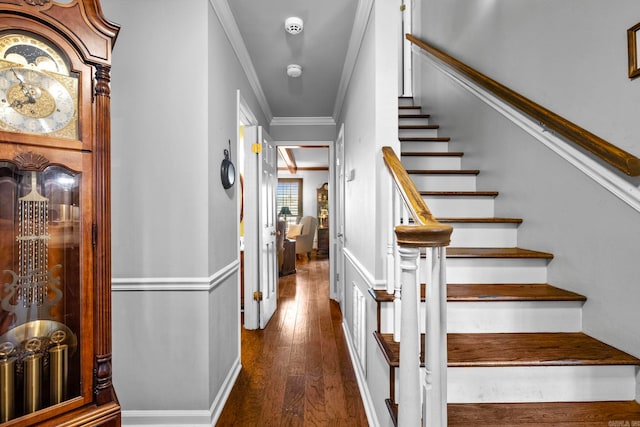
(260, 256)
(340, 177)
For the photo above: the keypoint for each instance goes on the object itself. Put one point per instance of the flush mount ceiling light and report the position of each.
(293, 25)
(294, 70)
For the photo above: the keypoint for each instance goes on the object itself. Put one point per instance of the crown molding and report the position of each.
(230, 27)
(355, 42)
(303, 121)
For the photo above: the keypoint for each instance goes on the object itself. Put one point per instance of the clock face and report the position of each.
(38, 93)
(34, 102)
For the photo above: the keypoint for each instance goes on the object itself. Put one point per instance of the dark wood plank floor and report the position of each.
(297, 371)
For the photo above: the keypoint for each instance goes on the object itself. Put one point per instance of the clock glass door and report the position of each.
(40, 288)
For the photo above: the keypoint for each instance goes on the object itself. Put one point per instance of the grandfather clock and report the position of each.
(55, 255)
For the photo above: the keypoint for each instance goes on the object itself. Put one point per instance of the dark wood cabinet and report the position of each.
(289, 262)
(323, 241)
(55, 230)
(322, 197)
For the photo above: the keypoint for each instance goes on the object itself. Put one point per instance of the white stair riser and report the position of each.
(403, 102)
(501, 317)
(460, 206)
(431, 182)
(514, 316)
(424, 146)
(541, 384)
(496, 270)
(432, 162)
(417, 132)
(480, 235)
(402, 121)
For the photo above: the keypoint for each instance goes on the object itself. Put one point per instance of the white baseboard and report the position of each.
(185, 418)
(367, 400)
(221, 399)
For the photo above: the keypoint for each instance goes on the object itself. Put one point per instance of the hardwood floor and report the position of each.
(297, 371)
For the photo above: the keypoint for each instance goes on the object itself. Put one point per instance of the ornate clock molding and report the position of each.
(31, 161)
(37, 2)
(55, 185)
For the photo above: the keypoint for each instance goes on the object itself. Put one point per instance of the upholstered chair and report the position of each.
(304, 241)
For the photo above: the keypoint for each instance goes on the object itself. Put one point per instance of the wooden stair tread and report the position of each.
(496, 253)
(509, 292)
(495, 292)
(533, 349)
(532, 414)
(425, 138)
(572, 414)
(418, 127)
(432, 154)
(488, 220)
(518, 349)
(413, 116)
(460, 193)
(443, 171)
(409, 107)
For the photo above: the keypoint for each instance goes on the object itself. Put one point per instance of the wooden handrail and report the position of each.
(427, 232)
(615, 156)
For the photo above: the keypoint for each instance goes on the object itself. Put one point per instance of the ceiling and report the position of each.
(325, 49)
(321, 49)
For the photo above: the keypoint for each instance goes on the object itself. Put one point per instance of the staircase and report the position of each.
(516, 353)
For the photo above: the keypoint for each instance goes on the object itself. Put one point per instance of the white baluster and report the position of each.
(397, 300)
(409, 400)
(435, 380)
(391, 239)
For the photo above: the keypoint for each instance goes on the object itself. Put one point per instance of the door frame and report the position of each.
(244, 117)
(336, 217)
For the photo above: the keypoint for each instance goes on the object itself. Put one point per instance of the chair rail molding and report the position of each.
(620, 187)
(123, 284)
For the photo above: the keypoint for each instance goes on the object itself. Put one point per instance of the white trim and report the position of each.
(245, 115)
(367, 400)
(294, 143)
(223, 395)
(222, 9)
(179, 284)
(368, 277)
(303, 121)
(168, 418)
(357, 34)
(609, 179)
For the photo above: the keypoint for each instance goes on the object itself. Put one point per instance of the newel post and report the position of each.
(433, 238)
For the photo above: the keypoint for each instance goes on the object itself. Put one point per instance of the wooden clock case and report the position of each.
(78, 29)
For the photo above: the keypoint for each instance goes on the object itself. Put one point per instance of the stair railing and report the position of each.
(604, 150)
(426, 403)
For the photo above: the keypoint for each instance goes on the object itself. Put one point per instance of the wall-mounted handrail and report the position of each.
(422, 399)
(615, 156)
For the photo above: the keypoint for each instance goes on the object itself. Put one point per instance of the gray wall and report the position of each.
(571, 58)
(175, 229)
(369, 102)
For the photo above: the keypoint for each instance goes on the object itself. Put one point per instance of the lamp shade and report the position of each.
(285, 210)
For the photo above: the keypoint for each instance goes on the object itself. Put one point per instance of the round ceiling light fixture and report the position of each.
(294, 70)
(293, 25)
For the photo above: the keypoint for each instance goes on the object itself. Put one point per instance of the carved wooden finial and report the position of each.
(37, 2)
